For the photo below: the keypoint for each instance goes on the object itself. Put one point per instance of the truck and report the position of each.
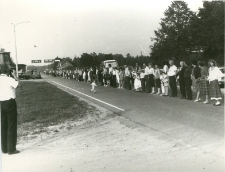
(112, 62)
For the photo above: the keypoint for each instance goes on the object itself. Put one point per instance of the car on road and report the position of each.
(36, 75)
(221, 79)
(23, 76)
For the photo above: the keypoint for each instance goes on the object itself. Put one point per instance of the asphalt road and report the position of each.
(195, 124)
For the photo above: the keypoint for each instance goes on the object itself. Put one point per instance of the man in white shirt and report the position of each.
(8, 110)
(172, 78)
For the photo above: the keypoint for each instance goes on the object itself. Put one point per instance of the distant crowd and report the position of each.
(197, 76)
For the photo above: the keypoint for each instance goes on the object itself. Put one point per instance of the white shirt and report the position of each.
(172, 70)
(114, 72)
(151, 71)
(146, 70)
(165, 68)
(142, 75)
(7, 88)
(215, 74)
(110, 70)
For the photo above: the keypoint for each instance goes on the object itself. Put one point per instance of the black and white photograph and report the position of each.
(112, 86)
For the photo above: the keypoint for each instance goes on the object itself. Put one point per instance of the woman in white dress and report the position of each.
(137, 82)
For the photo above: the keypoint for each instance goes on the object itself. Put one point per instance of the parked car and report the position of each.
(23, 76)
(34, 74)
(221, 79)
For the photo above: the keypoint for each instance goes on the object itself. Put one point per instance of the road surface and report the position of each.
(195, 124)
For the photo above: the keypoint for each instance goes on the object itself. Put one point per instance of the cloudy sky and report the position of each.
(68, 28)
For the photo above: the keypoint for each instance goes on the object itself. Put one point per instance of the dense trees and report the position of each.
(184, 34)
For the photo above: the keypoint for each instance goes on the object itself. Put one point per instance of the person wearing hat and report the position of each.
(8, 110)
(214, 74)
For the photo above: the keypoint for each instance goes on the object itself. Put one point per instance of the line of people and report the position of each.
(195, 76)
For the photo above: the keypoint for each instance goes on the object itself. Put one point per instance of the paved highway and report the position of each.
(195, 124)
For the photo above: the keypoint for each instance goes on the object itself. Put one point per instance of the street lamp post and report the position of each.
(15, 44)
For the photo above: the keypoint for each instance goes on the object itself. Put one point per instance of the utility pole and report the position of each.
(15, 45)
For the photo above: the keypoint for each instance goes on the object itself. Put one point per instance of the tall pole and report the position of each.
(16, 51)
(16, 46)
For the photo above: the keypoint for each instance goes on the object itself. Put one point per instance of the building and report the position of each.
(65, 63)
(22, 68)
(6, 59)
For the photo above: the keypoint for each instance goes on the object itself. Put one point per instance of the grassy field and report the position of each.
(41, 104)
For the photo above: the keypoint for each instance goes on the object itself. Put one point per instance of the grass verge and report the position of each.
(41, 104)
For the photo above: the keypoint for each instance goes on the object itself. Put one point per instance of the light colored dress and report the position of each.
(214, 75)
(137, 82)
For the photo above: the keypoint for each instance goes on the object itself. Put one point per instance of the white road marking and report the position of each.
(89, 96)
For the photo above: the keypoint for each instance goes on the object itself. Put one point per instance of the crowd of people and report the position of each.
(196, 76)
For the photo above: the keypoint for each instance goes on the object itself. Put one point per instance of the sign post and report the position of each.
(35, 61)
(49, 60)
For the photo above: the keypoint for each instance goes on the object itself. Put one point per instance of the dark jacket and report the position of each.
(181, 73)
(187, 72)
(196, 72)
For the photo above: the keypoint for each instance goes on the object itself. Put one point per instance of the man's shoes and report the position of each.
(182, 97)
(189, 98)
(15, 152)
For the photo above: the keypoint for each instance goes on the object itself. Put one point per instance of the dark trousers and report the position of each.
(8, 125)
(114, 81)
(188, 84)
(182, 87)
(111, 80)
(147, 84)
(173, 85)
(143, 84)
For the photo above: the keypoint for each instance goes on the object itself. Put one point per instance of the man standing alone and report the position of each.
(8, 110)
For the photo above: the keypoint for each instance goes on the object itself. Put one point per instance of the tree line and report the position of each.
(182, 35)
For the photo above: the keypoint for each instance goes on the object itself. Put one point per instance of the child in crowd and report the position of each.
(121, 77)
(137, 82)
(84, 76)
(157, 78)
(165, 83)
(107, 77)
(161, 81)
(93, 85)
(117, 78)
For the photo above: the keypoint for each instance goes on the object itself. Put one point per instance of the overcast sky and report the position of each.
(66, 28)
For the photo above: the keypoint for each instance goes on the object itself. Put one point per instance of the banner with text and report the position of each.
(48, 60)
(35, 61)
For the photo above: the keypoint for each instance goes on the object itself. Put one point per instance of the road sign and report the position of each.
(35, 61)
(48, 60)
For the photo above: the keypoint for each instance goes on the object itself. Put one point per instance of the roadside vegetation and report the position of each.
(41, 104)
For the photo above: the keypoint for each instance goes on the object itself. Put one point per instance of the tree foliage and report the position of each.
(183, 33)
